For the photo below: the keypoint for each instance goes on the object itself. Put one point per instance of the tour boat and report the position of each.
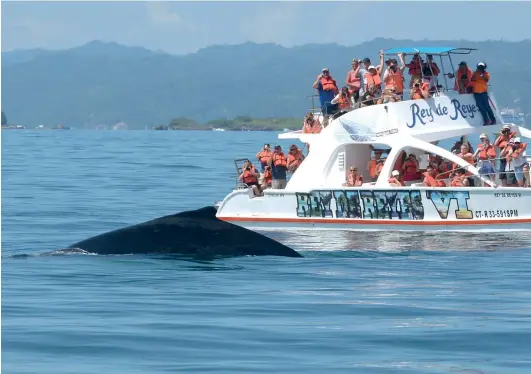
(315, 197)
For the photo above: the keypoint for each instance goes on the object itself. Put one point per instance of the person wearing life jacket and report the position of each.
(279, 166)
(311, 125)
(353, 178)
(371, 167)
(373, 82)
(430, 178)
(400, 159)
(420, 90)
(501, 142)
(395, 179)
(411, 169)
(414, 68)
(327, 88)
(459, 179)
(267, 178)
(430, 72)
(263, 156)
(394, 76)
(295, 158)
(353, 80)
(519, 159)
(527, 175)
(486, 156)
(468, 157)
(463, 78)
(480, 80)
(250, 176)
(343, 100)
(457, 145)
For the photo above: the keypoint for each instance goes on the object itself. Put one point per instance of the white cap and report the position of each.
(506, 127)
(395, 173)
(371, 67)
(483, 136)
(517, 140)
(482, 64)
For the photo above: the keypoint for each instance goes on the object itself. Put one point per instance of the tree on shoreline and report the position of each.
(4, 119)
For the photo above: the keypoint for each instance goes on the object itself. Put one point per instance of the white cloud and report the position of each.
(161, 15)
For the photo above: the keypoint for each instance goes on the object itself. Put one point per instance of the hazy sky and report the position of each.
(184, 27)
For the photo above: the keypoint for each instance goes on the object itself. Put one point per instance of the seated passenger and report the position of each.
(389, 96)
(486, 156)
(395, 179)
(414, 67)
(430, 178)
(263, 156)
(250, 176)
(367, 99)
(463, 76)
(353, 179)
(295, 158)
(459, 143)
(343, 100)
(327, 88)
(266, 179)
(311, 125)
(372, 165)
(411, 169)
(420, 90)
(459, 179)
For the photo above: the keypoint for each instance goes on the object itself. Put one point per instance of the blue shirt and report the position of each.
(325, 97)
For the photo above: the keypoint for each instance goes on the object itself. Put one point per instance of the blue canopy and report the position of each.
(429, 50)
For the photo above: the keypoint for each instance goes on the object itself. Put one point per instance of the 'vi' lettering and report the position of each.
(442, 199)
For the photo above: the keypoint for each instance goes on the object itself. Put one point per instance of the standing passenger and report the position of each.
(327, 88)
(263, 156)
(480, 79)
(278, 163)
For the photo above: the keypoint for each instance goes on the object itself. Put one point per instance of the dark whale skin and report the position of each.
(195, 233)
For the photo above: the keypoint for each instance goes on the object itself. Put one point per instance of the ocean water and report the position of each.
(356, 303)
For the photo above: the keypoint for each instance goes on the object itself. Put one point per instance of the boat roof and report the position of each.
(430, 50)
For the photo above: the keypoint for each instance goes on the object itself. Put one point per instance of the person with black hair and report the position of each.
(480, 80)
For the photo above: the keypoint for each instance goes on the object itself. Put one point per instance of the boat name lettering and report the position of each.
(442, 200)
(507, 194)
(364, 204)
(503, 213)
(276, 195)
(456, 110)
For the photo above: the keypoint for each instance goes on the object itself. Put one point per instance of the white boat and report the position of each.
(315, 198)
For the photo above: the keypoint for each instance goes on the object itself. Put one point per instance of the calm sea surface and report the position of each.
(357, 303)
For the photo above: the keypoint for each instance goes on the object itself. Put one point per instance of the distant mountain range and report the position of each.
(105, 83)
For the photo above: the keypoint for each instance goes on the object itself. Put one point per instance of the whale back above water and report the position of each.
(197, 232)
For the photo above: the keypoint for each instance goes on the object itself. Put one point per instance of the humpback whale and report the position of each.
(197, 233)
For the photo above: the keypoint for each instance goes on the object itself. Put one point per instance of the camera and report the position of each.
(248, 168)
(417, 85)
(392, 67)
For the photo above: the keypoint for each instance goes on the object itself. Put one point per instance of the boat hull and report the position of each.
(377, 209)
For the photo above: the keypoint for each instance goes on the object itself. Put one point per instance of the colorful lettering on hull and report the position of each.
(442, 199)
(364, 204)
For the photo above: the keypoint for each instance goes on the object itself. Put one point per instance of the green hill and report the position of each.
(103, 83)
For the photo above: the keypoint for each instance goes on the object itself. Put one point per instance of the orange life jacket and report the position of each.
(434, 68)
(249, 177)
(264, 156)
(468, 83)
(457, 182)
(445, 173)
(486, 153)
(432, 182)
(279, 159)
(518, 150)
(480, 84)
(328, 83)
(394, 80)
(344, 102)
(394, 180)
(355, 180)
(268, 176)
(373, 80)
(503, 140)
(295, 158)
(372, 168)
(379, 167)
(468, 158)
(414, 67)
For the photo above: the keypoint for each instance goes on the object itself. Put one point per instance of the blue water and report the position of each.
(357, 303)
